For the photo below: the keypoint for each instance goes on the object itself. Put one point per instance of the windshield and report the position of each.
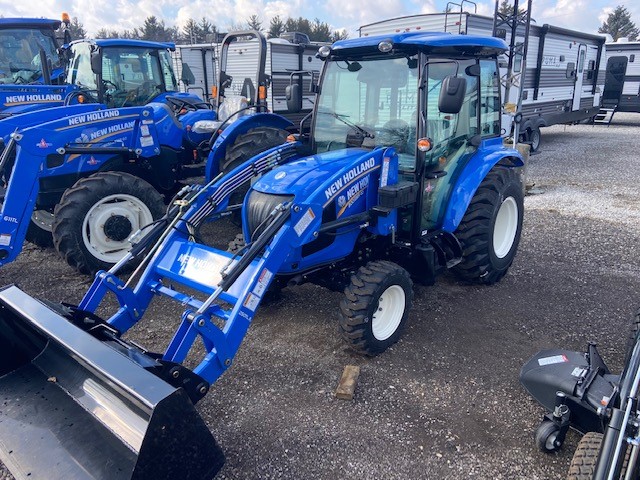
(132, 76)
(369, 103)
(20, 54)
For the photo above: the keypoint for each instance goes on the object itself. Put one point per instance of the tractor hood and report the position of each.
(302, 177)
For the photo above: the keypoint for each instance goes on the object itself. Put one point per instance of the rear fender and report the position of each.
(490, 153)
(239, 127)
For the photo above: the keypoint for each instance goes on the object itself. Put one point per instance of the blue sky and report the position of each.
(583, 15)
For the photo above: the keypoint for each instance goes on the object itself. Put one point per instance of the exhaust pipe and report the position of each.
(73, 406)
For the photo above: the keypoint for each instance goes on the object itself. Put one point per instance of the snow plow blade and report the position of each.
(73, 406)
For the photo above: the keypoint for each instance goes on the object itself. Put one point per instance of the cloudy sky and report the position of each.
(584, 15)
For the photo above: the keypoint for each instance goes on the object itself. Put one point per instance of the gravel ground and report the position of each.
(445, 402)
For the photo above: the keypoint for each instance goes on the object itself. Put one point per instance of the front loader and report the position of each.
(401, 175)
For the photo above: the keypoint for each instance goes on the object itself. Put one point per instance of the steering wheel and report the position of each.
(178, 104)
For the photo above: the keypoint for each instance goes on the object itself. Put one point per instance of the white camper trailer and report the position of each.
(561, 81)
(284, 56)
(196, 67)
(622, 79)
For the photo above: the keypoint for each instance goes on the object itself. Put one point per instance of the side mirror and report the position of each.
(96, 62)
(452, 94)
(187, 77)
(293, 95)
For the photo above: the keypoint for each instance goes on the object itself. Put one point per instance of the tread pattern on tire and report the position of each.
(65, 235)
(474, 230)
(355, 304)
(633, 335)
(584, 459)
(251, 143)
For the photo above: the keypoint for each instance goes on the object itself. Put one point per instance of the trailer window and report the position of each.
(489, 98)
(581, 61)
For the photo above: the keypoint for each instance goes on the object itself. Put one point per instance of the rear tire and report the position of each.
(491, 227)
(375, 307)
(40, 228)
(248, 145)
(96, 216)
(584, 459)
(633, 337)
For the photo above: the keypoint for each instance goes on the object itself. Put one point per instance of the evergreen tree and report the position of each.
(276, 27)
(320, 31)
(190, 31)
(254, 23)
(619, 25)
(76, 29)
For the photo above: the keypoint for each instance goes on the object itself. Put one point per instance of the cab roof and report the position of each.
(128, 43)
(29, 23)
(428, 42)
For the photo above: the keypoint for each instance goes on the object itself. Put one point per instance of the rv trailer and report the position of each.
(621, 81)
(197, 68)
(562, 82)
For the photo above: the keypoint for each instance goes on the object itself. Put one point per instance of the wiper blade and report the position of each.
(349, 123)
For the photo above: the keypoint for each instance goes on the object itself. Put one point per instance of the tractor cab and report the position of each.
(121, 73)
(29, 52)
(434, 102)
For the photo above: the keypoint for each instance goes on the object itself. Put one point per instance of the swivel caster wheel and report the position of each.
(547, 437)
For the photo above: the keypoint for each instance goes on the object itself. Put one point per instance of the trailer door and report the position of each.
(577, 89)
(614, 80)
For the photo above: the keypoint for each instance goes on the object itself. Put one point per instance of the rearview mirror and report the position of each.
(187, 77)
(293, 95)
(452, 94)
(96, 62)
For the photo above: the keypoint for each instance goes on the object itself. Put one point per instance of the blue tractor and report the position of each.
(401, 173)
(86, 176)
(108, 81)
(29, 52)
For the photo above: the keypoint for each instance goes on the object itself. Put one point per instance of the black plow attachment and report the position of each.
(75, 407)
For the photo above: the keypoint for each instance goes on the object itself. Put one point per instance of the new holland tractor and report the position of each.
(401, 174)
(85, 177)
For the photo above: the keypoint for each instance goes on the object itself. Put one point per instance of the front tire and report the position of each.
(546, 437)
(490, 230)
(375, 307)
(535, 138)
(96, 217)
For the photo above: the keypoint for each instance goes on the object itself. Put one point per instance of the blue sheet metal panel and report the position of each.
(198, 266)
(490, 152)
(431, 40)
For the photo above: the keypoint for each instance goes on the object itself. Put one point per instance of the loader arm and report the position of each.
(72, 145)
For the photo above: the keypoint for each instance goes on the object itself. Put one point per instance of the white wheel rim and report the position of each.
(43, 219)
(388, 315)
(96, 240)
(504, 230)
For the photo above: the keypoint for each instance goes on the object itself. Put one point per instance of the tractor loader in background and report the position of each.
(400, 174)
(93, 174)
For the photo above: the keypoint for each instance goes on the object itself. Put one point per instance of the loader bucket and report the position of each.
(72, 406)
